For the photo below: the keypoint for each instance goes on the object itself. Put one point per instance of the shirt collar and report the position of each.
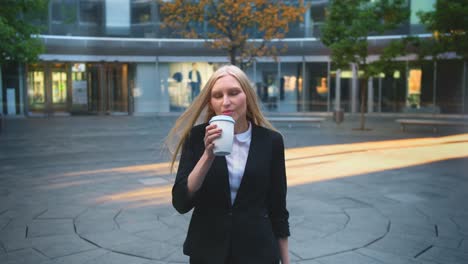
(244, 136)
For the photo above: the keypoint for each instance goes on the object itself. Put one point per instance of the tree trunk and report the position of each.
(363, 88)
(232, 55)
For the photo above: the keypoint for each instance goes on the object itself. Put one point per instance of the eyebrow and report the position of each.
(229, 88)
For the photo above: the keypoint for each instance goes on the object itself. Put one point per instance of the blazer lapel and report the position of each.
(255, 144)
(221, 172)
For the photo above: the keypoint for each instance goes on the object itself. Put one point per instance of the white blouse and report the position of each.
(237, 159)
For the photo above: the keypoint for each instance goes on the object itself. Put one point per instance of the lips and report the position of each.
(227, 113)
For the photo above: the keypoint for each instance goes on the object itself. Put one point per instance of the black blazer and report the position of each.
(248, 229)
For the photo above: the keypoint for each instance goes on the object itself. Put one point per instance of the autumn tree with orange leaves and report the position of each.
(243, 28)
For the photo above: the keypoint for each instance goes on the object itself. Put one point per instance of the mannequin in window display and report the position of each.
(272, 94)
(195, 80)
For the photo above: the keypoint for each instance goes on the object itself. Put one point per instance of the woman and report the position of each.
(239, 200)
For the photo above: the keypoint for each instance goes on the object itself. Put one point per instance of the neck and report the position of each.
(241, 126)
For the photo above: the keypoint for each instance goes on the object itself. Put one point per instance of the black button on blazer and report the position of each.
(249, 228)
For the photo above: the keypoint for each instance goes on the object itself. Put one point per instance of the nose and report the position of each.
(226, 100)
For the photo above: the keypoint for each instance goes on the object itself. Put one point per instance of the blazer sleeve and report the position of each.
(279, 215)
(181, 200)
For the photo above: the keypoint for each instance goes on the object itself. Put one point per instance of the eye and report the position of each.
(216, 95)
(234, 92)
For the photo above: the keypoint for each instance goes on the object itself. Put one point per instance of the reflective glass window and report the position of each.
(36, 87)
(91, 11)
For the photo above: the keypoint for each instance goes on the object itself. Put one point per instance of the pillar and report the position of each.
(370, 95)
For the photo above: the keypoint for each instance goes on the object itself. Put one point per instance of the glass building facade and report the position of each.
(113, 57)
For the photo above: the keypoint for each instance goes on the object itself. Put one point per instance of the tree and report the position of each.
(449, 23)
(230, 24)
(345, 32)
(17, 41)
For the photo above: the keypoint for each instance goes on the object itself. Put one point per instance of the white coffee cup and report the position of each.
(223, 144)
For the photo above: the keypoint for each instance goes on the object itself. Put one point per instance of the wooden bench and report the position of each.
(434, 123)
(303, 119)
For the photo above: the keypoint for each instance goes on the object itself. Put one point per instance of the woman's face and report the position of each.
(228, 98)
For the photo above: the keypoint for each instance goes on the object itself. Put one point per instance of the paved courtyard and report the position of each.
(96, 189)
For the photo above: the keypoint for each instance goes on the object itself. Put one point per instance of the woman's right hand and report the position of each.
(197, 175)
(212, 132)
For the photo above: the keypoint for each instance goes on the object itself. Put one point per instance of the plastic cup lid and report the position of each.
(222, 118)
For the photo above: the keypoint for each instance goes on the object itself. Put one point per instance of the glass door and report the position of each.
(107, 88)
(36, 88)
(117, 88)
(94, 88)
(59, 85)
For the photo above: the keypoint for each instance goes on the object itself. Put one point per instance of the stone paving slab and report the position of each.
(97, 190)
(23, 256)
(78, 258)
(116, 258)
(386, 258)
(348, 257)
(50, 227)
(58, 246)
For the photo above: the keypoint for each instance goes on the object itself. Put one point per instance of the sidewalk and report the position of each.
(97, 190)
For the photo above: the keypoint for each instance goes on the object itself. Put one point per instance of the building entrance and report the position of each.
(48, 88)
(78, 88)
(107, 88)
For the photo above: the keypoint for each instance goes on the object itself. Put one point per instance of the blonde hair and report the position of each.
(200, 111)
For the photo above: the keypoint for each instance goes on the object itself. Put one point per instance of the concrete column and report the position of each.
(370, 95)
(354, 88)
(338, 90)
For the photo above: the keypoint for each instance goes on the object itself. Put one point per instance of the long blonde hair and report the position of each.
(200, 111)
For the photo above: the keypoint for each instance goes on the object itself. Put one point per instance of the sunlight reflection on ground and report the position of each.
(317, 163)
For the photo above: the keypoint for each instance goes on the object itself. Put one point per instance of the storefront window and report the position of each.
(392, 89)
(449, 81)
(316, 87)
(36, 88)
(375, 93)
(419, 97)
(267, 84)
(59, 87)
(289, 86)
(345, 84)
(186, 79)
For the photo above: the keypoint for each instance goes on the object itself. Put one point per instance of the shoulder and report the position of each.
(199, 127)
(195, 136)
(198, 130)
